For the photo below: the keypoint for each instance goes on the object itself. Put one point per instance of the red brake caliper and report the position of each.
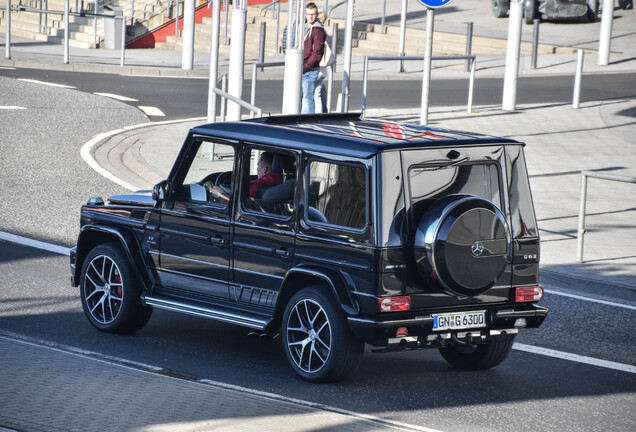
(120, 289)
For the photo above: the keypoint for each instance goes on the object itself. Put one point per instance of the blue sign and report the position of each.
(433, 4)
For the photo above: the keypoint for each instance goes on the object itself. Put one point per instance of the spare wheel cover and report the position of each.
(466, 243)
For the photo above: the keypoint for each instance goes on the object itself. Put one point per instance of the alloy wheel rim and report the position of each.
(103, 289)
(309, 336)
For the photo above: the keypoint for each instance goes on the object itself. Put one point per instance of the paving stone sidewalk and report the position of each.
(69, 392)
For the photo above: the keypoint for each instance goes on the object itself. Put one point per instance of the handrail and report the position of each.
(65, 14)
(255, 67)
(277, 12)
(268, 6)
(338, 5)
(584, 176)
(241, 102)
(471, 58)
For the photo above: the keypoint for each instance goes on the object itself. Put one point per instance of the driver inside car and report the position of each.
(265, 175)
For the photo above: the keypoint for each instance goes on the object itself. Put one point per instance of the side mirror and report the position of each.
(161, 191)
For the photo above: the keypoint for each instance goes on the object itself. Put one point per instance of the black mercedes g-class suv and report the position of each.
(356, 230)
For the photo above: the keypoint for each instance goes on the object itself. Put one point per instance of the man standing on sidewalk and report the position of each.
(314, 40)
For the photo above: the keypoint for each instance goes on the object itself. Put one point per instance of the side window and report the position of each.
(337, 194)
(209, 177)
(272, 182)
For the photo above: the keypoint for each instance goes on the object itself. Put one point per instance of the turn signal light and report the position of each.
(529, 294)
(394, 304)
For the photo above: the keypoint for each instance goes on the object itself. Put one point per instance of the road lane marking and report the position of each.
(574, 357)
(118, 97)
(162, 372)
(11, 107)
(563, 355)
(7, 68)
(151, 111)
(46, 83)
(24, 241)
(592, 300)
(87, 149)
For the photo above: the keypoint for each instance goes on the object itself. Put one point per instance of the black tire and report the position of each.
(592, 10)
(477, 357)
(500, 8)
(530, 10)
(316, 337)
(110, 291)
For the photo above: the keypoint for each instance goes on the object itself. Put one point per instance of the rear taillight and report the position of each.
(528, 294)
(394, 304)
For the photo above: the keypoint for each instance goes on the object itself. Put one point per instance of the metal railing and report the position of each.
(225, 96)
(66, 13)
(471, 84)
(255, 68)
(261, 66)
(277, 14)
(584, 176)
(328, 11)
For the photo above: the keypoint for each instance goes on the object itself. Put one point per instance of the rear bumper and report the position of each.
(499, 322)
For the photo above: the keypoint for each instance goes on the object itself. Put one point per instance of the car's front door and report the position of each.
(195, 223)
(264, 231)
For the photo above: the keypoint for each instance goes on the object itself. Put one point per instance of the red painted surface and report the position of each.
(161, 33)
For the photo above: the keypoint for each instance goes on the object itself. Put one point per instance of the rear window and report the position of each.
(479, 179)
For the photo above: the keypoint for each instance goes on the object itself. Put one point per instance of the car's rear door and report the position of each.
(264, 232)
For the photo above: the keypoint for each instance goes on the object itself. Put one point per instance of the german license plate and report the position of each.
(459, 320)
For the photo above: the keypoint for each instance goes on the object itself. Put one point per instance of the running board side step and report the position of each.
(216, 313)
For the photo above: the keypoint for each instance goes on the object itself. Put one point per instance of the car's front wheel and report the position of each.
(110, 291)
(317, 340)
(476, 357)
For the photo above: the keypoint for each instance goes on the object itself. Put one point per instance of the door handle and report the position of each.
(217, 240)
(282, 252)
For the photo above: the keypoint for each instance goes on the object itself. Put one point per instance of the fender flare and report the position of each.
(93, 235)
(339, 284)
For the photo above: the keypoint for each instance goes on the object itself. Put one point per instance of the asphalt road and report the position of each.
(45, 180)
(187, 97)
(528, 392)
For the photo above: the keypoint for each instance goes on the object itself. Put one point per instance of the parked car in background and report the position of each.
(551, 9)
(398, 236)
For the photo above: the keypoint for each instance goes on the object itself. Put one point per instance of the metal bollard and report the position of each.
(7, 50)
(66, 31)
(261, 43)
(535, 42)
(223, 99)
(176, 20)
(581, 228)
(334, 44)
(469, 44)
(576, 97)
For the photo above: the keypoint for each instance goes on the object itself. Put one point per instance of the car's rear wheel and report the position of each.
(476, 357)
(592, 10)
(317, 340)
(530, 10)
(110, 291)
(500, 7)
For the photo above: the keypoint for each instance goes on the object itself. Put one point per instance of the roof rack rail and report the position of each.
(295, 118)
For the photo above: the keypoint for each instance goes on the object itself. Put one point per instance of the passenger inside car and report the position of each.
(266, 176)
